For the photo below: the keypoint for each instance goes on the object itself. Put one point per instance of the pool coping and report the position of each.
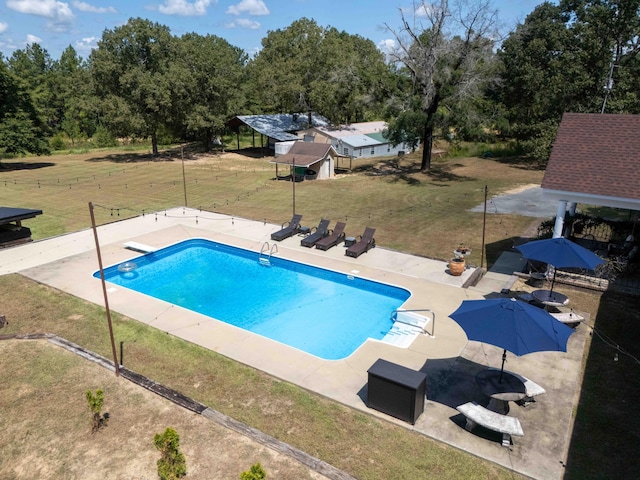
(448, 358)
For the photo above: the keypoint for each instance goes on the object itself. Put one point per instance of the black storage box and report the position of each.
(396, 390)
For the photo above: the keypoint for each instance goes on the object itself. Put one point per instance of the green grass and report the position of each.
(366, 447)
(420, 214)
(412, 212)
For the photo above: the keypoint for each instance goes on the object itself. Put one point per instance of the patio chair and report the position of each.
(335, 237)
(288, 229)
(366, 243)
(321, 231)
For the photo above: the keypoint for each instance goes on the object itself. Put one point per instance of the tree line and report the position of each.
(452, 74)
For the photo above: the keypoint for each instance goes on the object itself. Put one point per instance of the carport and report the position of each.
(594, 161)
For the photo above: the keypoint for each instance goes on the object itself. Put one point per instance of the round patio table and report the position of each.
(552, 299)
(501, 389)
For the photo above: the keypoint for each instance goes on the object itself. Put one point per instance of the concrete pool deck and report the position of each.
(449, 360)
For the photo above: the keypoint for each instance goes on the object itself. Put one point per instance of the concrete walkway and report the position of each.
(449, 360)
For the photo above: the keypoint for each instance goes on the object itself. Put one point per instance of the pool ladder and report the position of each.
(266, 260)
(396, 316)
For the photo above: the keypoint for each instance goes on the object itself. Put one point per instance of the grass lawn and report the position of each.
(420, 214)
(412, 212)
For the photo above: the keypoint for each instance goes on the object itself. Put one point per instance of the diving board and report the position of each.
(139, 247)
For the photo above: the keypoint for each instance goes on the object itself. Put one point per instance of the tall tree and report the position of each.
(579, 56)
(131, 71)
(209, 73)
(22, 129)
(307, 67)
(72, 95)
(32, 66)
(446, 48)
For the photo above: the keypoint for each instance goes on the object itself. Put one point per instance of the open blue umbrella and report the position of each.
(511, 325)
(561, 253)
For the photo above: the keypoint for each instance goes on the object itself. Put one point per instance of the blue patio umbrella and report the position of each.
(511, 325)
(561, 253)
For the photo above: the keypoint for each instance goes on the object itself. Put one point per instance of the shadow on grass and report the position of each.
(443, 173)
(15, 166)
(522, 163)
(605, 437)
(172, 154)
(252, 152)
(410, 173)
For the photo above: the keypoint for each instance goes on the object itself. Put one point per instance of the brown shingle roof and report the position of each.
(305, 153)
(597, 154)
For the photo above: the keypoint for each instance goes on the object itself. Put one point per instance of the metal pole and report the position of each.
(184, 178)
(504, 359)
(484, 224)
(104, 291)
(293, 178)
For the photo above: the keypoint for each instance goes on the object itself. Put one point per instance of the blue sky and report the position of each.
(56, 24)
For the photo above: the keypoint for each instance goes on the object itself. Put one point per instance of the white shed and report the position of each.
(311, 160)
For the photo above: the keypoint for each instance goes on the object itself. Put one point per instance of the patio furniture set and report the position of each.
(324, 238)
(533, 330)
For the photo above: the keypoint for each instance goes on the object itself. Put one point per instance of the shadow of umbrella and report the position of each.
(561, 253)
(511, 325)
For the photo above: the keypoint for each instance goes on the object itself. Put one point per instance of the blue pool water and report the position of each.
(325, 313)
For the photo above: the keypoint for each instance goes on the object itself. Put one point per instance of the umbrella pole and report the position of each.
(504, 359)
(553, 281)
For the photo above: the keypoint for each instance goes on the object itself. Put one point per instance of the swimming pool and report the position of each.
(322, 312)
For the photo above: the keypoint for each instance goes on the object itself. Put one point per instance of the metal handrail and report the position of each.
(264, 249)
(262, 260)
(433, 319)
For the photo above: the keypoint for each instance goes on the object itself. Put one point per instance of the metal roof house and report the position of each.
(595, 160)
(279, 127)
(356, 140)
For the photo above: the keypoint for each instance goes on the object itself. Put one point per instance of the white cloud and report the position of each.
(425, 10)
(43, 8)
(86, 7)
(184, 8)
(7, 46)
(248, 7)
(3, 27)
(244, 23)
(86, 44)
(59, 13)
(387, 46)
(33, 39)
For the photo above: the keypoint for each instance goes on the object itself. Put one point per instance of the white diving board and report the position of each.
(139, 247)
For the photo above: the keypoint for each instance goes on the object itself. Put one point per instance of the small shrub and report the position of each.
(95, 405)
(172, 464)
(57, 142)
(103, 138)
(256, 472)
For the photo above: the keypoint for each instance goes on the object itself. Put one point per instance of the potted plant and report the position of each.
(462, 251)
(458, 264)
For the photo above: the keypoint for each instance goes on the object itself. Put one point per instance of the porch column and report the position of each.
(559, 226)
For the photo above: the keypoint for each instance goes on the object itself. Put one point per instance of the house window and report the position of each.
(346, 151)
(388, 147)
(373, 150)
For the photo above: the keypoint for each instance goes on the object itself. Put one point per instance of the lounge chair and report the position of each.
(321, 231)
(365, 243)
(335, 237)
(288, 229)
